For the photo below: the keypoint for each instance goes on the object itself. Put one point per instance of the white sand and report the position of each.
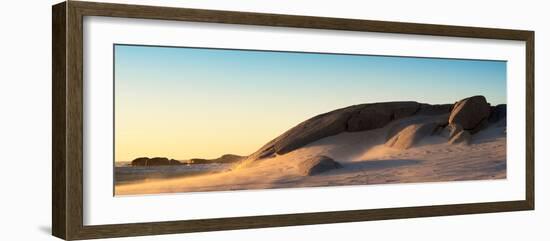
(365, 160)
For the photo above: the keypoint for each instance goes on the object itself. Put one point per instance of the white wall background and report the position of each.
(25, 120)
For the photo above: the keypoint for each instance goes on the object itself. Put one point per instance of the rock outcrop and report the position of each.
(472, 115)
(155, 161)
(469, 115)
(350, 119)
(471, 112)
(227, 158)
(316, 165)
(163, 161)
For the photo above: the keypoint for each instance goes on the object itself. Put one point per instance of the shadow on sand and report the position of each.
(372, 165)
(347, 168)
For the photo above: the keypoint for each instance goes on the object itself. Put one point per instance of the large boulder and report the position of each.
(482, 125)
(412, 135)
(316, 165)
(470, 112)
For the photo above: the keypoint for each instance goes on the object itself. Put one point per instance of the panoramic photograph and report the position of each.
(192, 119)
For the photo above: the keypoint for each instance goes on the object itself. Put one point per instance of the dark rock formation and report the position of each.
(198, 161)
(227, 158)
(470, 112)
(379, 114)
(163, 161)
(316, 165)
(426, 109)
(350, 119)
(482, 125)
(140, 161)
(497, 113)
(155, 161)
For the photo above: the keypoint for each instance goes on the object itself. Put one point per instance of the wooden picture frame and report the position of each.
(67, 123)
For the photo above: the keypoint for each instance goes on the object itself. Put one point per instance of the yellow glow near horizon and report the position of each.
(174, 134)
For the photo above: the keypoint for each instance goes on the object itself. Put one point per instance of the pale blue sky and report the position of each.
(234, 89)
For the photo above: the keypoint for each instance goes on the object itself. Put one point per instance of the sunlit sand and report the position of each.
(365, 157)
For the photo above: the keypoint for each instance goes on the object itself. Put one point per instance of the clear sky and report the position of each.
(201, 103)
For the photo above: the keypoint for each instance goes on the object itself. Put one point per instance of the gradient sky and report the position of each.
(201, 103)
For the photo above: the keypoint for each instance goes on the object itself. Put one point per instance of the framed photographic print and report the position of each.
(171, 120)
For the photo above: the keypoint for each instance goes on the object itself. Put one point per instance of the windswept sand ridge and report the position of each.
(365, 159)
